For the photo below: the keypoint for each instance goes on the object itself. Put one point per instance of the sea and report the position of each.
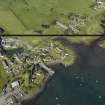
(82, 83)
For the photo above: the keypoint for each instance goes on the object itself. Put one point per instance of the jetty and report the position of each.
(47, 69)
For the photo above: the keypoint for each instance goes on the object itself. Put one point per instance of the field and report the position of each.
(3, 77)
(19, 16)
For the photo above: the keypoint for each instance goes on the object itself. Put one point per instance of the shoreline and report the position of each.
(38, 91)
(35, 95)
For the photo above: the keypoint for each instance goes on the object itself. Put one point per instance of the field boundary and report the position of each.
(61, 35)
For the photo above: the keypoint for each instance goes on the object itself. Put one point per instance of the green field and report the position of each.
(3, 77)
(19, 16)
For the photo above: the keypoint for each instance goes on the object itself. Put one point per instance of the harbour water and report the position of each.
(80, 84)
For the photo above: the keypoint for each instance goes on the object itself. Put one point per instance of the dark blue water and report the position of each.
(80, 84)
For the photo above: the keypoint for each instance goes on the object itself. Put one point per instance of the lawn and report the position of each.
(87, 40)
(28, 86)
(18, 16)
(10, 23)
(35, 40)
(3, 77)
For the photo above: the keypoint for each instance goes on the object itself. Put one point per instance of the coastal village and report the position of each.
(27, 67)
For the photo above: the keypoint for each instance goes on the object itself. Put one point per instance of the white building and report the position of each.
(15, 84)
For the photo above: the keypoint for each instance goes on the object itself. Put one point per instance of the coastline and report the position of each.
(35, 95)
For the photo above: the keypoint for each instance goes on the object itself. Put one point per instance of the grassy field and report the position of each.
(11, 23)
(3, 77)
(18, 16)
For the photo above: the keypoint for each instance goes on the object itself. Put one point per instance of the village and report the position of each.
(27, 67)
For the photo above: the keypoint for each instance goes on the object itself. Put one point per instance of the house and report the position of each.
(100, 5)
(15, 84)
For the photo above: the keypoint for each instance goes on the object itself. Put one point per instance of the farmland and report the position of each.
(20, 16)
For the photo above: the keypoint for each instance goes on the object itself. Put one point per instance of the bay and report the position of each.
(80, 84)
